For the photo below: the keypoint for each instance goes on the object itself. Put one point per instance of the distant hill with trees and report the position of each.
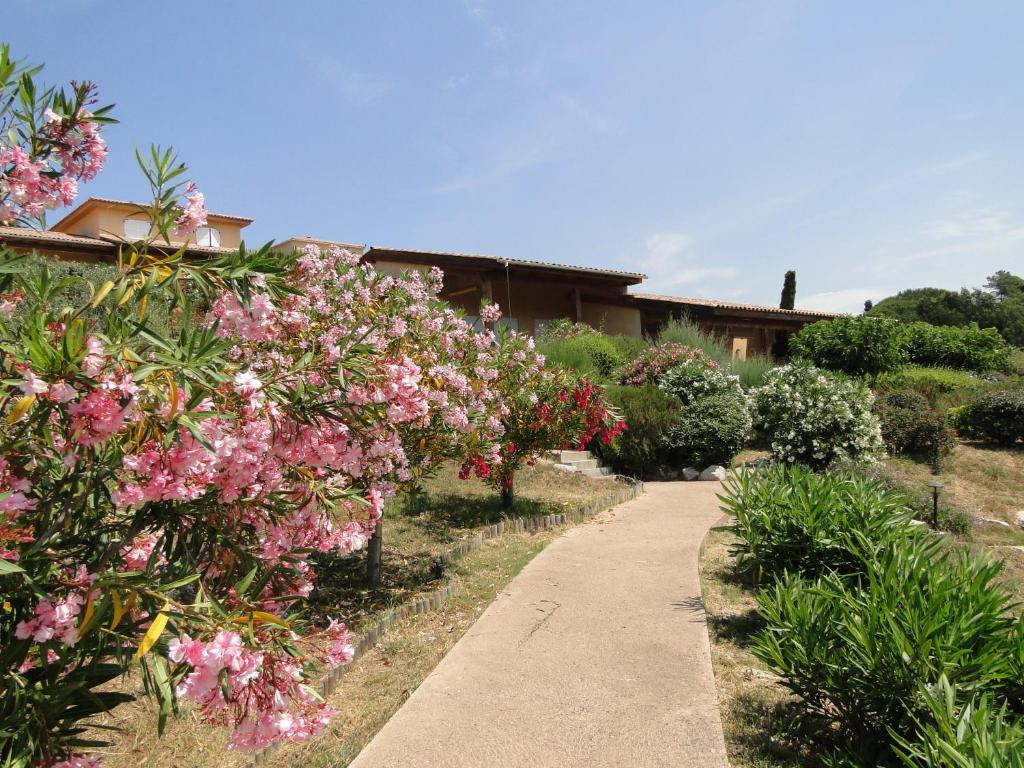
(999, 305)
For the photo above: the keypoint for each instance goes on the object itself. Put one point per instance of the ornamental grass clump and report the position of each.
(791, 519)
(817, 418)
(861, 650)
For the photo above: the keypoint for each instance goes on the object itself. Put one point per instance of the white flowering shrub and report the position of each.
(715, 420)
(817, 418)
(694, 378)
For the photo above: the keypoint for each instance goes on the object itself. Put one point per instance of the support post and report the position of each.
(375, 555)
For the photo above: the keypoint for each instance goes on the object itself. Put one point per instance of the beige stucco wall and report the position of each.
(108, 221)
(397, 267)
(617, 321)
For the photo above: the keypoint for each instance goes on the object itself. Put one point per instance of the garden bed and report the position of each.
(759, 714)
(377, 683)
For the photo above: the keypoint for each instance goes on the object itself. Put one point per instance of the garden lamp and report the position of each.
(936, 487)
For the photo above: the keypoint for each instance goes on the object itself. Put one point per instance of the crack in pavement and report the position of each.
(542, 622)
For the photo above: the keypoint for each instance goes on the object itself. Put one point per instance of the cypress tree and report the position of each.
(789, 290)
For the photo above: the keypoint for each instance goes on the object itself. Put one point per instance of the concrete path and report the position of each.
(596, 655)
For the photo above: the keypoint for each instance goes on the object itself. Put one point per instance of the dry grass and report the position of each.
(378, 683)
(756, 709)
(988, 484)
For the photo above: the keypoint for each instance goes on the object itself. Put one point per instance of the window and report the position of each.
(136, 229)
(208, 236)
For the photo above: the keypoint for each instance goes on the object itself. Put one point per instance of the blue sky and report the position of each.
(871, 146)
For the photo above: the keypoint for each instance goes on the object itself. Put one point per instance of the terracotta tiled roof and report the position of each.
(500, 261)
(715, 304)
(35, 237)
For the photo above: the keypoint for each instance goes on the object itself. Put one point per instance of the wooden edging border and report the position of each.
(435, 600)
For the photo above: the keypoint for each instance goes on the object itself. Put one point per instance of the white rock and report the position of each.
(691, 473)
(713, 472)
(565, 467)
(993, 521)
(1019, 517)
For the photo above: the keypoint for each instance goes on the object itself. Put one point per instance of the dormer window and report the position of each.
(136, 229)
(208, 236)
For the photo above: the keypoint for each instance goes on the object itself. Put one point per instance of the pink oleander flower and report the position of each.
(53, 620)
(193, 215)
(78, 761)
(490, 313)
(32, 385)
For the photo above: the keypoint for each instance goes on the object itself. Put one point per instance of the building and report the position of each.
(745, 328)
(530, 293)
(95, 230)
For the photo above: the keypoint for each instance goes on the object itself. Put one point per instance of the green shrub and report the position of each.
(592, 354)
(628, 347)
(996, 417)
(857, 346)
(979, 733)
(643, 449)
(751, 371)
(911, 426)
(943, 387)
(967, 347)
(1015, 363)
(789, 518)
(816, 417)
(858, 650)
(72, 281)
(687, 333)
(711, 429)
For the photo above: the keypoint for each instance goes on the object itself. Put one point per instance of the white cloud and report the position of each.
(511, 161)
(494, 34)
(357, 87)
(973, 224)
(596, 122)
(669, 265)
(663, 246)
(846, 300)
(940, 167)
(455, 82)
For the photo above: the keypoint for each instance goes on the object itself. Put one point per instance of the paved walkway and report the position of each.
(596, 655)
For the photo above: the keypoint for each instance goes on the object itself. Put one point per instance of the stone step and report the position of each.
(598, 472)
(583, 464)
(566, 457)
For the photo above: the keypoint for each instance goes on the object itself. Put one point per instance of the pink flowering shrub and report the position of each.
(653, 362)
(49, 141)
(163, 494)
(160, 496)
(542, 408)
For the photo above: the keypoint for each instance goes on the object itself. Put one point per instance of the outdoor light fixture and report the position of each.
(936, 487)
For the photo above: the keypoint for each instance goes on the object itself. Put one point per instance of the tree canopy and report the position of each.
(999, 305)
